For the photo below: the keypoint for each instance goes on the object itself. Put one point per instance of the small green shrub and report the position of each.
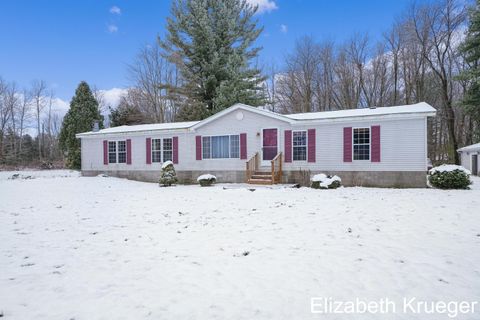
(206, 180)
(449, 177)
(168, 175)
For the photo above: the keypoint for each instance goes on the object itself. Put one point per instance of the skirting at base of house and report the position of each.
(385, 179)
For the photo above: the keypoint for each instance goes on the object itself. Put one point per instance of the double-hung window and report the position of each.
(221, 147)
(299, 145)
(167, 149)
(162, 150)
(117, 151)
(156, 150)
(361, 144)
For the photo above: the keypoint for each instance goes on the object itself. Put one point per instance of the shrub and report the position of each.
(206, 180)
(322, 181)
(448, 176)
(168, 175)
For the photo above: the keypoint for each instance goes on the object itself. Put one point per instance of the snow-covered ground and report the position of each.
(79, 248)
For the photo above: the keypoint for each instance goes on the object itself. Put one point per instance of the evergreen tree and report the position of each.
(471, 51)
(168, 175)
(125, 114)
(80, 117)
(211, 41)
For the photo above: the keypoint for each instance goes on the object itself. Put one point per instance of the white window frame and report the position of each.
(161, 150)
(229, 146)
(306, 145)
(369, 144)
(117, 152)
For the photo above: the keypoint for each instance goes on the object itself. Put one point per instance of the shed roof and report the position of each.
(473, 147)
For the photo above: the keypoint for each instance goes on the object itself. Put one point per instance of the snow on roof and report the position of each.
(143, 127)
(472, 147)
(421, 107)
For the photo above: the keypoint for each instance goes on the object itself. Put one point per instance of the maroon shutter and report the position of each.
(288, 145)
(129, 151)
(148, 145)
(243, 146)
(375, 143)
(198, 147)
(105, 152)
(175, 149)
(347, 144)
(311, 145)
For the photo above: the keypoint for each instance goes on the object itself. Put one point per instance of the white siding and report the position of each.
(403, 145)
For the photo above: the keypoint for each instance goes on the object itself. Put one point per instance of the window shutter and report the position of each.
(347, 144)
(129, 151)
(105, 152)
(148, 146)
(198, 147)
(243, 146)
(175, 149)
(311, 145)
(288, 145)
(375, 142)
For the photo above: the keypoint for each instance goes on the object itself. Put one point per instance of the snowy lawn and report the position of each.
(105, 248)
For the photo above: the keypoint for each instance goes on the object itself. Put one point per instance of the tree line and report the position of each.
(29, 125)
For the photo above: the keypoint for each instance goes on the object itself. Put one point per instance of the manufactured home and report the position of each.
(385, 147)
(469, 157)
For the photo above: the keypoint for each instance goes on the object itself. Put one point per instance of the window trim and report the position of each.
(116, 152)
(306, 146)
(369, 144)
(229, 146)
(161, 150)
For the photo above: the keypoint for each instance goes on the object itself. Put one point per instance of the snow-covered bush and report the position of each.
(168, 175)
(206, 180)
(322, 181)
(449, 176)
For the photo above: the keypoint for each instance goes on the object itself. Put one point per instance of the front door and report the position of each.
(270, 145)
(475, 164)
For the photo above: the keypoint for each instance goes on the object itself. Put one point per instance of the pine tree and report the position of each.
(168, 175)
(211, 42)
(80, 117)
(471, 51)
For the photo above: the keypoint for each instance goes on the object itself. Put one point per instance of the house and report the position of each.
(384, 146)
(469, 157)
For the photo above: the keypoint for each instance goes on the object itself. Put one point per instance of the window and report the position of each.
(117, 151)
(167, 150)
(112, 152)
(299, 145)
(156, 150)
(122, 151)
(235, 146)
(221, 147)
(361, 144)
(162, 150)
(206, 147)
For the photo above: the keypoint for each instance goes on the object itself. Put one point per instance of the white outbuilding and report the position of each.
(469, 157)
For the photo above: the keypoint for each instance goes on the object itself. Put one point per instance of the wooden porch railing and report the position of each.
(252, 166)
(277, 168)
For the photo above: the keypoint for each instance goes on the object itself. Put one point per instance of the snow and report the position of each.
(206, 177)
(448, 168)
(106, 248)
(166, 164)
(324, 180)
(421, 107)
(141, 128)
(473, 147)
